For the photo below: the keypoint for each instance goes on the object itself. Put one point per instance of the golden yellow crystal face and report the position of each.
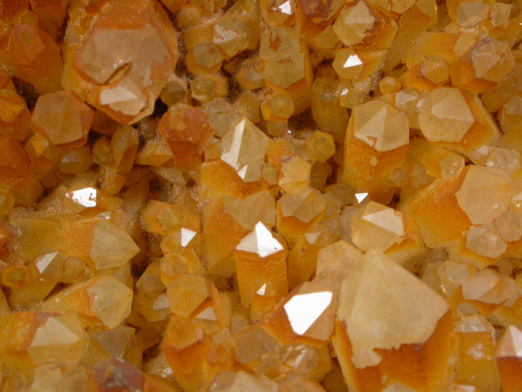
(380, 126)
(306, 196)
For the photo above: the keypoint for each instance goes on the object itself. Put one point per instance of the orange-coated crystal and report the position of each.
(260, 196)
(62, 118)
(186, 131)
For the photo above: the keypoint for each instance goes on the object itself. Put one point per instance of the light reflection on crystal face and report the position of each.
(85, 197)
(286, 8)
(44, 261)
(260, 241)
(352, 61)
(303, 310)
(186, 236)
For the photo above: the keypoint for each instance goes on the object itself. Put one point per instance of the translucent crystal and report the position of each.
(260, 259)
(380, 126)
(62, 118)
(508, 353)
(282, 56)
(243, 146)
(509, 225)
(376, 226)
(305, 205)
(50, 265)
(111, 246)
(111, 300)
(485, 286)
(492, 60)
(354, 23)
(384, 306)
(510, 345)
(452, 275)
(295, 175)
(242, 381)
(260, 241)
(485, 240)
(59, 339)
(259, 207)
(471, 13)
(186, 293)
(435, 69)
(484, 194)
(445, 115)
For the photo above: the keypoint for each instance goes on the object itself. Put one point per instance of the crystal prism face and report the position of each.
(244, 148)
(261, 242)
(485, 194)
(384, 306)
(445, 115)
(380, 126)
(376, 226)
(111, 300)
(311, 312)
(62, 118)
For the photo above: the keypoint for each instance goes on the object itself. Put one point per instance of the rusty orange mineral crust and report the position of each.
(260, 196)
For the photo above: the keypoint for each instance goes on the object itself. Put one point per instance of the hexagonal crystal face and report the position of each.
(445, 116)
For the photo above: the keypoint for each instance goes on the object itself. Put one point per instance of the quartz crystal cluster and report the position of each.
(260, 196)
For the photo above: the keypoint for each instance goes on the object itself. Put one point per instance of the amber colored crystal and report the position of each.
(260, 196)
(62, 118)
(186, 131)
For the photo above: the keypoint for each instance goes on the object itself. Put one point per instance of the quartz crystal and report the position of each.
(386, 316)
(260, 195)
(445, 115)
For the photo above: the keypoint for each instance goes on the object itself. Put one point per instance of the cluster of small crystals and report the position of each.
(260, 196)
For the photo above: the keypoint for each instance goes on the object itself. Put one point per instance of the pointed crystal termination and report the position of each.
(186, 294)
(62, 118)
(509, 359)
(120, 60)
(485, 194)
(376, 226)
(260, 259)
(111, 246)
(102, 299)
(35, 57)
(384, 307)
(354, 24)
(59, 339)
(445, 116)
(259, 207)
(244, 148)
(41, 338)
(311, 311)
